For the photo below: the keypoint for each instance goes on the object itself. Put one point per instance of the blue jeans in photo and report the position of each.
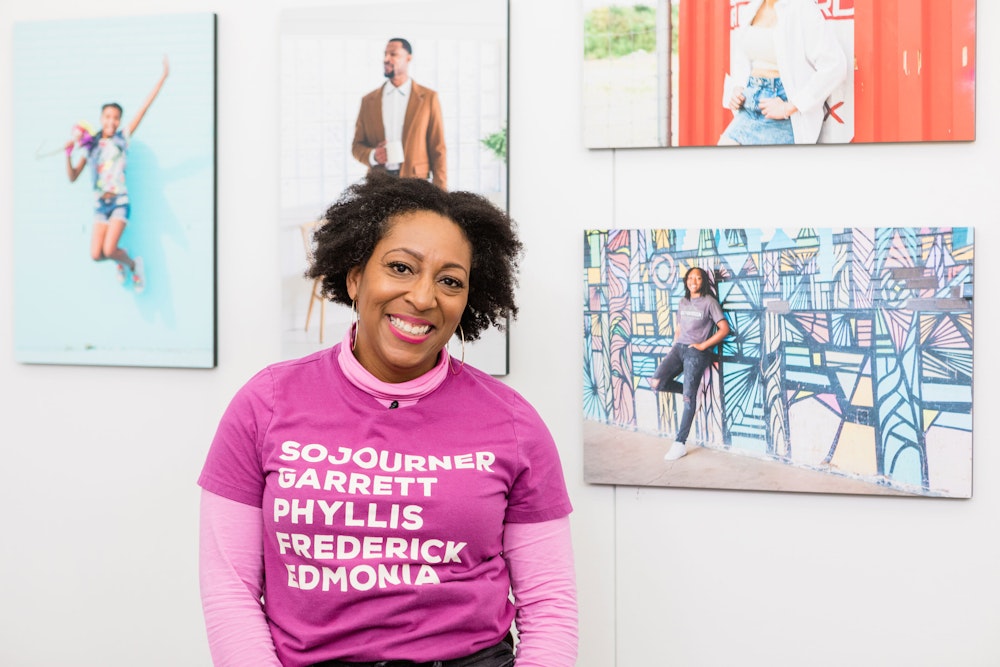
(692, 362)
(116, 207)
(749, 126)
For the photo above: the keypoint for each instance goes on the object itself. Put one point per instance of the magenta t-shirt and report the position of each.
(383, 526)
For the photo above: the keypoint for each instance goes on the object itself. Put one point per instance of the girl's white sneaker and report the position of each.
(676, 451)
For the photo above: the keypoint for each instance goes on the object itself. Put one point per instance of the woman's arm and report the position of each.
(149, 100)
(71, 171)
(825, 57)
(232, 575)
(722, 330)
(74, 172)
(540, 558)
(740, 67)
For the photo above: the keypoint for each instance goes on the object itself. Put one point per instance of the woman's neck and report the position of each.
(765, 16)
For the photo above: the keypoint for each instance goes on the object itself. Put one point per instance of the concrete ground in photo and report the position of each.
(613, 455)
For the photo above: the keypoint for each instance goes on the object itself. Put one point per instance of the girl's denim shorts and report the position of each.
(749, 126)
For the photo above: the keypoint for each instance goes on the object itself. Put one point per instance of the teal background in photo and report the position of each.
(67, 307)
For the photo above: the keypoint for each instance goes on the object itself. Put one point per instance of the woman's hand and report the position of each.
(776, 108)
(737, 100)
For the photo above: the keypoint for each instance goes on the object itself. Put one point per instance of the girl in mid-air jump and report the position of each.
(105, 152)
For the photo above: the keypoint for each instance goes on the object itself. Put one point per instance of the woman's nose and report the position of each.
(423, 293)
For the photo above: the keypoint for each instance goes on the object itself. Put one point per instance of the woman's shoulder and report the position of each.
(478, 385)
(484, 394)
(479, 379)
(286, 370)
(311, 358)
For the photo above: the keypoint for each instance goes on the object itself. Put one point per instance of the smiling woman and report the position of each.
(410, 295)
(419, 265)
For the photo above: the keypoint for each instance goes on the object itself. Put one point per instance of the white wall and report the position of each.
(98, 553)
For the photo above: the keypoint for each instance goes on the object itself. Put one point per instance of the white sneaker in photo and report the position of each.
(676, 451)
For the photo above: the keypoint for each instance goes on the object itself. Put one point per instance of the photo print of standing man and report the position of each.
(400, 127)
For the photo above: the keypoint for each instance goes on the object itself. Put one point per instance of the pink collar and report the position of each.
(403, 394)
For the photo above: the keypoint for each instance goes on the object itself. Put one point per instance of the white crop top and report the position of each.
(758, 44)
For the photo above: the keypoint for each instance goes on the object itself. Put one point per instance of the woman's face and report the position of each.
(111, 118)
(694, 282)
(410, 295)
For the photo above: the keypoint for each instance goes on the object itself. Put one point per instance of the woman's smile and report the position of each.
(409, 330)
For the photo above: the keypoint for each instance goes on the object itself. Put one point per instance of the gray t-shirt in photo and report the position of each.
(697, 317)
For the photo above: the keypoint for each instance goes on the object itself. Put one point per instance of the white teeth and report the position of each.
(409, 328)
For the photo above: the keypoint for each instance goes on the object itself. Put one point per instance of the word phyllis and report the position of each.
(304, 512)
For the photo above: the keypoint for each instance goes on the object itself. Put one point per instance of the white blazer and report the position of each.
(810, 61)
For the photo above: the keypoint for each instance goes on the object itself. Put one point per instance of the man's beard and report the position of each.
(390, 73)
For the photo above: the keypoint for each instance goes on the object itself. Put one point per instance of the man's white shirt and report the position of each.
(394, 101)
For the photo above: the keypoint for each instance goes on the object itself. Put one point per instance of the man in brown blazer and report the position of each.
(402, 111)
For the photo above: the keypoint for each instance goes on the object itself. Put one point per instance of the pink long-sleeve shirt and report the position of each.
(367, 507)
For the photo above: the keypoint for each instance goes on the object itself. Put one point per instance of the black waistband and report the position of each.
(455, 662)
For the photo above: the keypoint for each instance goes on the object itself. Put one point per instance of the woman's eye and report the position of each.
(398, 267)
(452, 282)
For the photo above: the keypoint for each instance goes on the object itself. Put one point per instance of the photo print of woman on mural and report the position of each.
(787, 62)
(698, 313)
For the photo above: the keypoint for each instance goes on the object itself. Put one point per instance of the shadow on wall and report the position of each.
(155, 231)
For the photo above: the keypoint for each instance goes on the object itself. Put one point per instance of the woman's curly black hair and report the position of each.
(358, 220)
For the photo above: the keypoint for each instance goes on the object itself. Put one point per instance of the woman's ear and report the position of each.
(353, 281)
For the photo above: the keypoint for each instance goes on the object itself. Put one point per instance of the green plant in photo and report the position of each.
(616, 31)
(497, 143)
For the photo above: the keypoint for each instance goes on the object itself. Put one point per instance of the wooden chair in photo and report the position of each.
(315, 293)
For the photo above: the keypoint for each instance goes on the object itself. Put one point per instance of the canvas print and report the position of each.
(666, 73)
(114, 191)
(806, 360)
(337, 65)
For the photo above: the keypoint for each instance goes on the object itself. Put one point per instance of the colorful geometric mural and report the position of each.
(850, 351)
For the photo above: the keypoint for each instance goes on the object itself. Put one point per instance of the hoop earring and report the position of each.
(354, 324)
(461, 364)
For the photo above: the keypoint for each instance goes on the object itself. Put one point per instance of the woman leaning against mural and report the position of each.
(786, 62)
(698, 313)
